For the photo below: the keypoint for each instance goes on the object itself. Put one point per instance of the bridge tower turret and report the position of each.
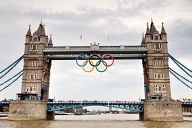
(156, 69)
(158, 104)
(32, 101)
(35, 82)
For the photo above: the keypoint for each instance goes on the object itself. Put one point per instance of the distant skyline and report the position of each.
(109, 22)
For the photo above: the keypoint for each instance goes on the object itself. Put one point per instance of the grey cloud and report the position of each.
(180, 39)
(122, 81)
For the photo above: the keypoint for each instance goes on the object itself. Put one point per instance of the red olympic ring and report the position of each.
(107, 55)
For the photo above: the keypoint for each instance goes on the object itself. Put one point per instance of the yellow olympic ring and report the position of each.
(84, 66)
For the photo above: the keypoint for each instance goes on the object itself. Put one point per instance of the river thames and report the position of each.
(96, 121)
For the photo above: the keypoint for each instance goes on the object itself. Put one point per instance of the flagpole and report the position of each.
(108, 38)
(81, 36)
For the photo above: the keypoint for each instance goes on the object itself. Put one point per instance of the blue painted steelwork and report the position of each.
(131, 106)
(186, 104)
(4, 103)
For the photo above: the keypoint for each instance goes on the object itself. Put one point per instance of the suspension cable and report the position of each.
(11, 64)
(180, 66)
(11, 82)
(180, 79)
(179, 63)
(11, 78)
(180, 75)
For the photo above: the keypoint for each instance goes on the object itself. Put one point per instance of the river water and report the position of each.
(96, 121)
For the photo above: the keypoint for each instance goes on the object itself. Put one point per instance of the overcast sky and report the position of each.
(123, 20)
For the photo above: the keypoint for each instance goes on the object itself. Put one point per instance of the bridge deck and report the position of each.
(71, 52)
(184, 104)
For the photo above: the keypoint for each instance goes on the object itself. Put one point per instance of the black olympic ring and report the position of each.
(92, 57)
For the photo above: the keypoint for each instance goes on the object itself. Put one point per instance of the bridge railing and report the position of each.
(115, 49)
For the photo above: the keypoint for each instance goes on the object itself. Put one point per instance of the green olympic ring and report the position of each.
(101, 70)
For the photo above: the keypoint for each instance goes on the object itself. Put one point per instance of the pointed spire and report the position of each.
(163, 30)
(50, 41)
(143, 39)
(29, 31)
(152, 28)
(147, 30)
(41, 22)
(41, 30)
(151, 20)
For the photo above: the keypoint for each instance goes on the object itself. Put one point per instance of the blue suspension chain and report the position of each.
(180, 63)
(182, 69)
(180, 79)
(175, 60)
(180, 75)
(11, 78)
(180, 66)
(11, 82)
(12, 64)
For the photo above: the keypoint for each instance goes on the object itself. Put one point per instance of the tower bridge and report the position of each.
(32, 102)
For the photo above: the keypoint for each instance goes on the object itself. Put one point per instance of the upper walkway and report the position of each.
(118, 52)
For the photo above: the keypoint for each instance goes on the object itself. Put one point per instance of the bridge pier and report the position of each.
(141, 116)
(163, 111)
(28, 110)
(50, 115)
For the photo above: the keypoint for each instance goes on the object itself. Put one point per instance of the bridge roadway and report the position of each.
(127, 105)
(118, 52)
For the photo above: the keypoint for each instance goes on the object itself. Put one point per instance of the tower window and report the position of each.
(158, 62)
(161, 62)
(34, 87)
(159, 88)
(32, 76)
(30, 88)
(35, 38)
(33, 63)
(33, 47)
(157, 46)
(158, 75)
(156, 37)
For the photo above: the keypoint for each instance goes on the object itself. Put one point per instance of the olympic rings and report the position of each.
(90, 58)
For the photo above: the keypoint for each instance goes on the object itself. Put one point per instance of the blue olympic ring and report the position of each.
(83, 56)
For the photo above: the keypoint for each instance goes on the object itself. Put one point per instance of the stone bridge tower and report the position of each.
(31, 103)
(35, 82)
(158, 103)
(156, 69)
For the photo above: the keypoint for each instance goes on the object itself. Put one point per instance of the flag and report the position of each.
(81, 36)
(108, 37)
